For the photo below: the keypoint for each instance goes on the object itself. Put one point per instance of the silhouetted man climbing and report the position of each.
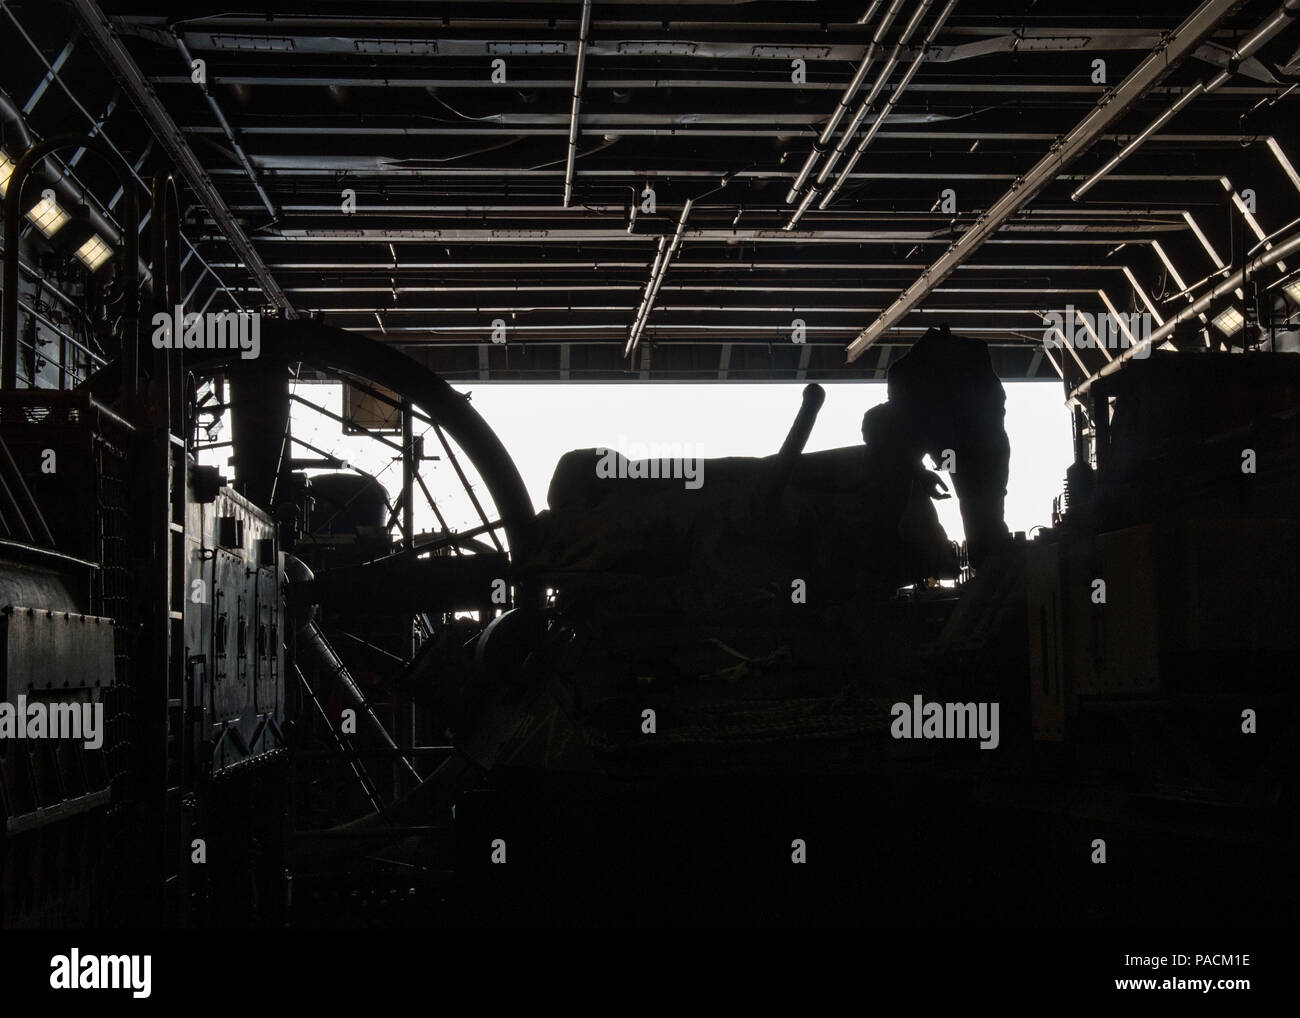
(946, 396)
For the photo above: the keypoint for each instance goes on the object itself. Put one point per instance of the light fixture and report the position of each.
(6, 171)
(528, 49)
(656, 48)
(1229, 321)
(47, 216)
(94, 252)
(1293, 290)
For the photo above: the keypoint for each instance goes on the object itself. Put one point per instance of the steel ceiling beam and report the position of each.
(639, 125)
(1177, 45)
(385, 269)
(693, 362)
(1287, 167)
(543, 212)
(1103, 233)
(50, 76)
(764, 333)
(487, 306)
(380, 166)
(617, 119)
(773, 287)
(954, 85)
(745, 41)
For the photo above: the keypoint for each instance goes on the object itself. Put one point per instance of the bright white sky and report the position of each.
(539, 423)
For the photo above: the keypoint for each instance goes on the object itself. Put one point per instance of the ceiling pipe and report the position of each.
(583, 30)
(828, 132)
(657, 277)
(888, 69)
(1282, 17)
(1182, 41)
(803, 207)
(671, 250)
(896, 95)
(641, 309)
(1201, 305)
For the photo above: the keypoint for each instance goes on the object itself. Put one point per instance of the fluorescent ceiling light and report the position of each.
(252, 42)
(1293, 290)
(1229, 321)
(94, 253)
(47, 216)
(656, 48)
(397, 47)
(522, 49)
(6, 171)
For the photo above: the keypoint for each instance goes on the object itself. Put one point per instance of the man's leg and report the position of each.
(981, 483)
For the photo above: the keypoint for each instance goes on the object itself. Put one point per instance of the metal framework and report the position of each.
(379, 177)
(1110, 108)
(53, 73)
